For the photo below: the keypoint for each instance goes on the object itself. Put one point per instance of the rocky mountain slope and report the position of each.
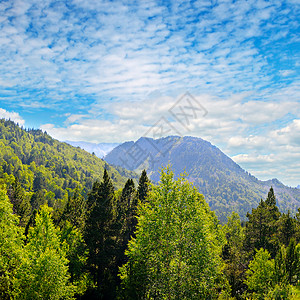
(225, 185)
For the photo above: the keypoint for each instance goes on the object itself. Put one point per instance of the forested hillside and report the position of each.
(150, 242)
(72, 227)
(224, 184)
(49, 171)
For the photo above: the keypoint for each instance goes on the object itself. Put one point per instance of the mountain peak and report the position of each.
(225, 185)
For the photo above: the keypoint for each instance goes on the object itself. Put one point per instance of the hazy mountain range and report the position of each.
(225, 185)
(100, 149)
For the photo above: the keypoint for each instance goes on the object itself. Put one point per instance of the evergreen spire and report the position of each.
(271, 199)
(143, 186)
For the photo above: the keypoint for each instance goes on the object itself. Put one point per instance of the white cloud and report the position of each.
(226, 125)
(12, 116)
(116, 50)
(99, 60)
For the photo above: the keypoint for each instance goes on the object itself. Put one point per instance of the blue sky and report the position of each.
(106, 71)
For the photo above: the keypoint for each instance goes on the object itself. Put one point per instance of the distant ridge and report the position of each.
(225, 185)
(100, 150)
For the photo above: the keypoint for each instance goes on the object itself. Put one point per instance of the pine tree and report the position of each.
(143, 186)
(126, 209)
(20, 201)
(72, 225)
(75, 210)
(76, 253)
(292, 262)
(262, 226)
(271, 199)
(280, 271)
(286, 228)
(100, 235)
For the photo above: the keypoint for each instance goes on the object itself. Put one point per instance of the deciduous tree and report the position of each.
(176, 252)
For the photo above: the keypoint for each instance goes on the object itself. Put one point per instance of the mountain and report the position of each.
(100, 150)
(53, 168)
(225, 185)
(298, 186)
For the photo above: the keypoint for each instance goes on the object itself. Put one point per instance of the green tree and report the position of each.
(287, 264)
(20, 201)
(11, 243)
(286, 228)
(126, 219)
(260, 274)
(100, 234)
(76, 253)
(75, 209)
(280, 270)
(176, 252)
(262, 226)
(44, 271)
(37, 199)
(233, 254)
(271, 199)
(143, 186)
(292, 262)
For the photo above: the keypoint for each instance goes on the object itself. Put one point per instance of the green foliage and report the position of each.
(293, 262)
(126, 219)
(100, 235)
(75, 210)
(260, 274)
(44, 270)
(262, 226)
(271, 199)
(286, 228)
(76, 253)
(281, 292)
(234, 255)
(175, 254)
(164, 238)
(43, 165)
(143, 186)
(11, 244)
(20, 201)
(224, 184)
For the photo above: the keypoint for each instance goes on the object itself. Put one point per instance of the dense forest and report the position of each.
(73, 227)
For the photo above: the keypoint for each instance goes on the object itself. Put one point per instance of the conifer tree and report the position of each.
(37, 199)
(100, 235)
(126, 219)
(75, 209)
(72, 225)
(271, 199)
(286, 228)
(143, 186)
(262, 226)
(21, 204)
(292, 262)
